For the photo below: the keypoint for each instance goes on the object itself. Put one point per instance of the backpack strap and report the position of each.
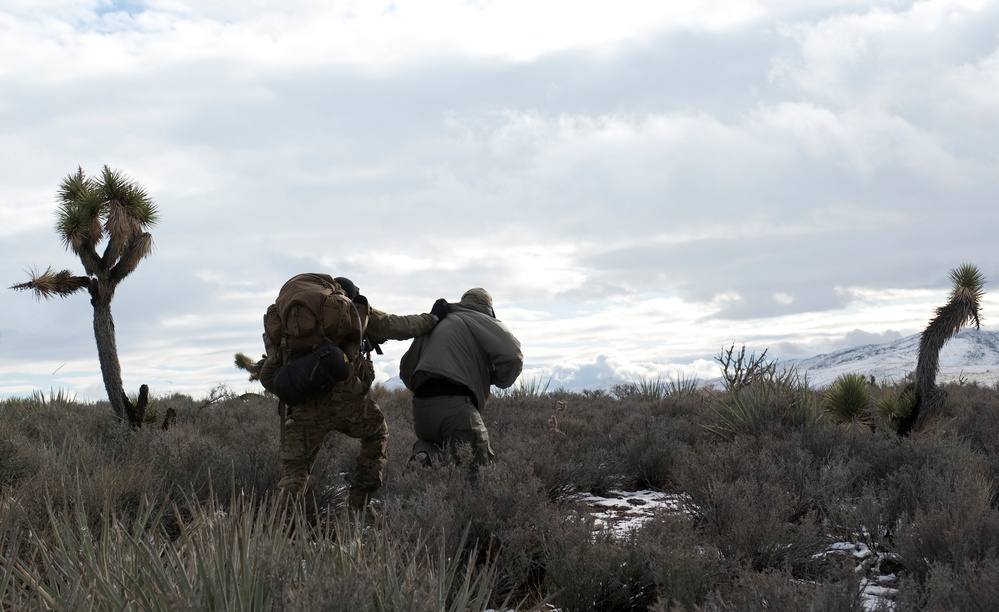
(355, 348)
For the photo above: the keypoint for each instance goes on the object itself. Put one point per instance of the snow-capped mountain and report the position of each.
(971, 355)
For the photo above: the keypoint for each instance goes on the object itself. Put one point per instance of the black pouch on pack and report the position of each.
(312, 373)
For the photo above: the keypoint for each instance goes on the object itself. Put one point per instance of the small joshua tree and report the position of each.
(961, 309)
(91, 210)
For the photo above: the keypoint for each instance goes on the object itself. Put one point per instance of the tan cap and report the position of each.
(479, 296)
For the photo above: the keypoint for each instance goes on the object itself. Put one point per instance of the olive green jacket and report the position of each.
(467, 347)
(383, 326)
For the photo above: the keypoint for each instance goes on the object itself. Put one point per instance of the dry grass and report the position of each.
(763, 500)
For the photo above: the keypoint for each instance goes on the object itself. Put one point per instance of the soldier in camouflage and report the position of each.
(347, 409)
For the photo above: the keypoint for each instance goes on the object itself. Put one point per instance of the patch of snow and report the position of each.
(625, 511)
(877, 590)
(622, 512)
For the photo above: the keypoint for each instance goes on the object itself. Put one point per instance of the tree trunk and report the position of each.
(107, 355)
(948, 321)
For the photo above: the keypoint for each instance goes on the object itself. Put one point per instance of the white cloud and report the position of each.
(638, 187)
(92, 37)
(863, 59)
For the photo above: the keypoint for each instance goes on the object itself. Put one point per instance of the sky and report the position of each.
(640, 185)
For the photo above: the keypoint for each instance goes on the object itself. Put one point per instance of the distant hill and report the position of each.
(972, 355)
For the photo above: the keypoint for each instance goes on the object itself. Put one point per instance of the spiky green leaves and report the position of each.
(962, 307)
(892, 408)
(968, 290)
(91, 209)
(848, 400)
(78, 218)
(138, 206)
(50, 283)
(111, 207)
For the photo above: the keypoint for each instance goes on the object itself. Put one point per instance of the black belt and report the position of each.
(436, 387)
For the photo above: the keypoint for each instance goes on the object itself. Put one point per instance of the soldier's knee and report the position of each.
(358, 498)
(381, 431)
(293, 485)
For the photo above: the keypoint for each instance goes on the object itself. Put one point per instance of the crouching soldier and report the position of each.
(450, 372)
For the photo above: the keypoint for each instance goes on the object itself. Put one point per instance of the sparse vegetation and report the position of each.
(185, 518)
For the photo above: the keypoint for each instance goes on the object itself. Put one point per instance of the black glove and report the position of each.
(440, 309)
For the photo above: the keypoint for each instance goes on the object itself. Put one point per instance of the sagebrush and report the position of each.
(96, 515)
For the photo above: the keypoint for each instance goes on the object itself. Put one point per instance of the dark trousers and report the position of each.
(445, 421)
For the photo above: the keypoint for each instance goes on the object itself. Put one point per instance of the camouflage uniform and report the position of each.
(347, 409)
(305, 431)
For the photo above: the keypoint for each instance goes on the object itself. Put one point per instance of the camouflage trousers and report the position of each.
(446, 421)
(306, 429)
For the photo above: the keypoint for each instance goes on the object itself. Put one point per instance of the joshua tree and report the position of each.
(108, 208)
(961, 309)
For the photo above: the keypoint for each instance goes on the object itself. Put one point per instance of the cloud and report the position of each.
(637, 187)
(866, 58)
(853, 339)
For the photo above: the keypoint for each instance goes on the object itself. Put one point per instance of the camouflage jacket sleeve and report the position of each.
(383, 326)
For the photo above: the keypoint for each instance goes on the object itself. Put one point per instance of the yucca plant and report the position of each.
(962, 308)
(848, 401)
(535, 387)
(758, 395)
(659, 387)
(113, 210)
(60, 398)
(892, 409)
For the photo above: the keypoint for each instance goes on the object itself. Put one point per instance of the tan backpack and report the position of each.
(310, 309)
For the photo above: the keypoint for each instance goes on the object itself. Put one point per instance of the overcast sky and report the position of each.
(640, 184)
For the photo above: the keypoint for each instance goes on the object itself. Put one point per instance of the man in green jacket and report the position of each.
(450, 372)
